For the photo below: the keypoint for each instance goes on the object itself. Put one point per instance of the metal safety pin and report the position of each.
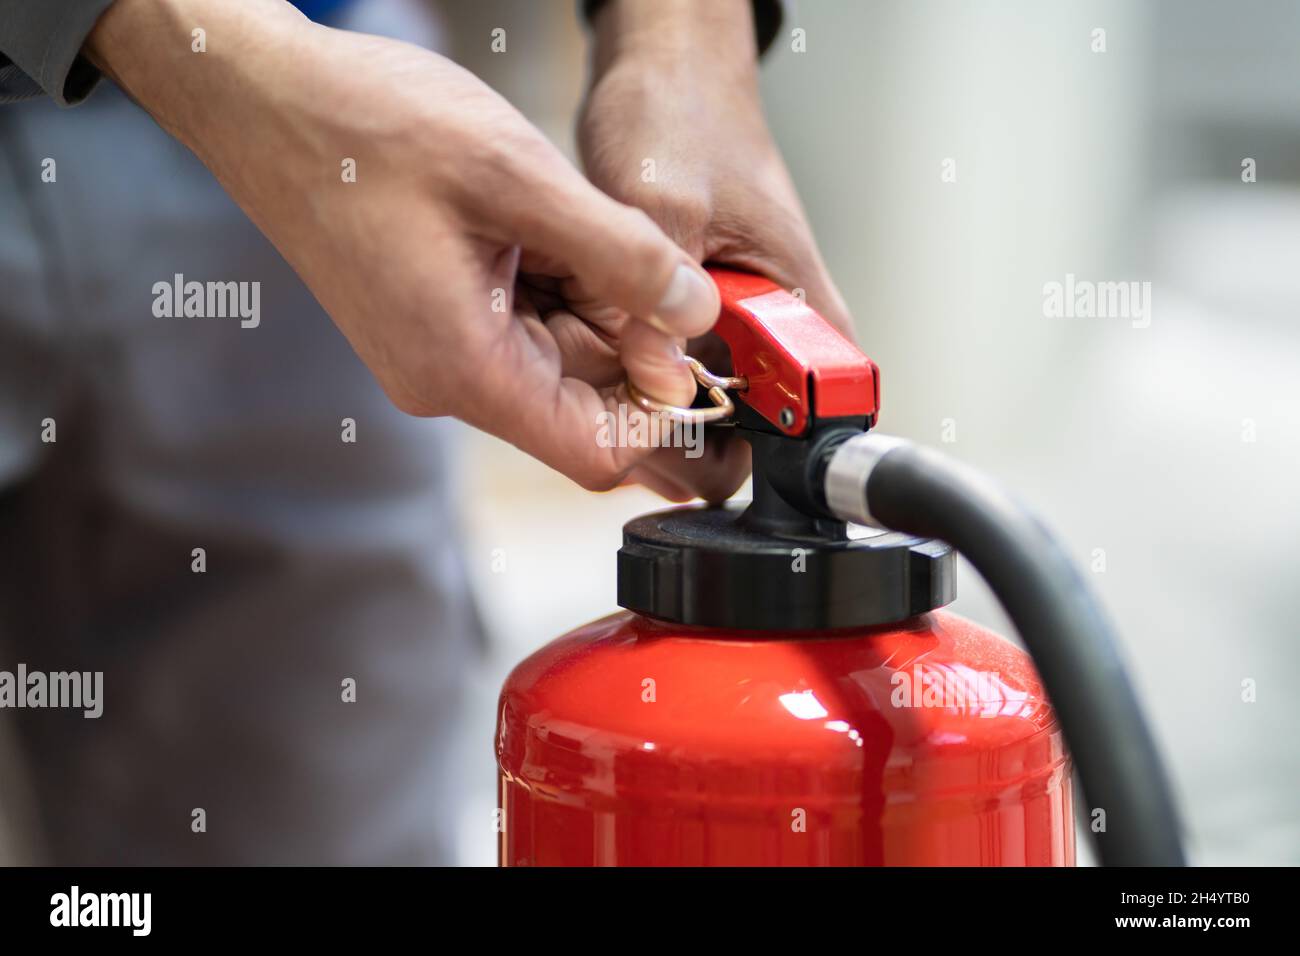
(717, 385)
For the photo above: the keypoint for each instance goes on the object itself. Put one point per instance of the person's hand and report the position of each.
(673, 124)
(472, 268)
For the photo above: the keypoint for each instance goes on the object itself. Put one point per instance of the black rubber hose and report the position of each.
(920, 492)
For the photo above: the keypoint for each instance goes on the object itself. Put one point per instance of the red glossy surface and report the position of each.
(746, 735)
(782, 346)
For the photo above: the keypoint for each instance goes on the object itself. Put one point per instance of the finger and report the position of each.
(655, 364)
(588, 332)
(519, 392)
(715, 475)
(661, 485)
(585, 351)
(616, 252)
(520, 395)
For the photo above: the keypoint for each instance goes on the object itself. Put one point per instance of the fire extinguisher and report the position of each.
(781, 691)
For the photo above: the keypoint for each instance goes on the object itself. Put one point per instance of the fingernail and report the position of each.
(688, 306)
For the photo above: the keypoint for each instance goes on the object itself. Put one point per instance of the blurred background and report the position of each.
(1167, 457)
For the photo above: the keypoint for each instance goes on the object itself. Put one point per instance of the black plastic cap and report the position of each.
(708, 567)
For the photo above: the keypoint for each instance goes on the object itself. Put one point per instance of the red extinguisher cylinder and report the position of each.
(637, 742)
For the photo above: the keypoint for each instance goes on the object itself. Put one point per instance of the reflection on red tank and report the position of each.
(640, 743)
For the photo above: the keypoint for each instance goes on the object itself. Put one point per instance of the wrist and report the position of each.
(183, 78)
(715, 37)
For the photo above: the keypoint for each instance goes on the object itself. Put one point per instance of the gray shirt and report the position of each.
(40, 49)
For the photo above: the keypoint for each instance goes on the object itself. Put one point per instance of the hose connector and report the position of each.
(847, 473)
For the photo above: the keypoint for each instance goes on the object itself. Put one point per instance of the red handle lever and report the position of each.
(799, 366)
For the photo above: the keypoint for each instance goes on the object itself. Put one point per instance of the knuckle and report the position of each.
(601, 475)
(685, 215)
(596, 483)
(499, 170)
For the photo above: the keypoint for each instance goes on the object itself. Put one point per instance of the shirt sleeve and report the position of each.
(767, 19)
(40, 49)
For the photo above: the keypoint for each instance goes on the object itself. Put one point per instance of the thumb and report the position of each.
(618, 254)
